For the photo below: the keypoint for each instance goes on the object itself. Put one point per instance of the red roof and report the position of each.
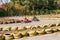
(2, 5)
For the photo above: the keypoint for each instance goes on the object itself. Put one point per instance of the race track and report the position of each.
(32, 23)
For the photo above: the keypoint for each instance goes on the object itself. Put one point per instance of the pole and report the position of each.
(7, 7)
(25, 12)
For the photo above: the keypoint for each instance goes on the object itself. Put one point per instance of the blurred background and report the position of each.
(29, 7)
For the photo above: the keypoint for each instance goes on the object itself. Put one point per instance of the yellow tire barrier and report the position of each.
(21, 28)
(38, 26)
(8, 36)
(40, 31)
(46, 25)
(24, 33)
(0, 29)
(17, 35)
(42, 25)
(58, 28)
(34, 27)
(14, 28)
(6, 28)
(58, 24)
(32, 33)
(18, 32)
(52, 25)
(28, 27)
(54, 29)
(1, 37)
(48, 30)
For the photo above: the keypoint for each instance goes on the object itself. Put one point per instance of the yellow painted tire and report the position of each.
(46, 25)
(17, 35)
(28, 27)
(52, 25)
(0, 29)
(58, 28)
(42, 25)
(48, 30)
(54, 29)
(1, 37)
(14, 28)
(8, 36)
(58, 24)
(40, 31)
(6, 28)
(38, 26)
(33, 27)
(24, 33)
(32, 33)
(21, 28)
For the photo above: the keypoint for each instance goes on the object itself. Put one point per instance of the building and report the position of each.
(3, 3)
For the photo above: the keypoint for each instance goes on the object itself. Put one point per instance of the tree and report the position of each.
(2, 13)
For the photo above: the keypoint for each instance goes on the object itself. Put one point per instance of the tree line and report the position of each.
(30, 7)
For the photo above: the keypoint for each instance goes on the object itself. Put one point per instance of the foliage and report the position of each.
(32, 7)
(2, 13)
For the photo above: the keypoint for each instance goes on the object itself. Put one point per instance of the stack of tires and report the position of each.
(8, 21)
(10, 33)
